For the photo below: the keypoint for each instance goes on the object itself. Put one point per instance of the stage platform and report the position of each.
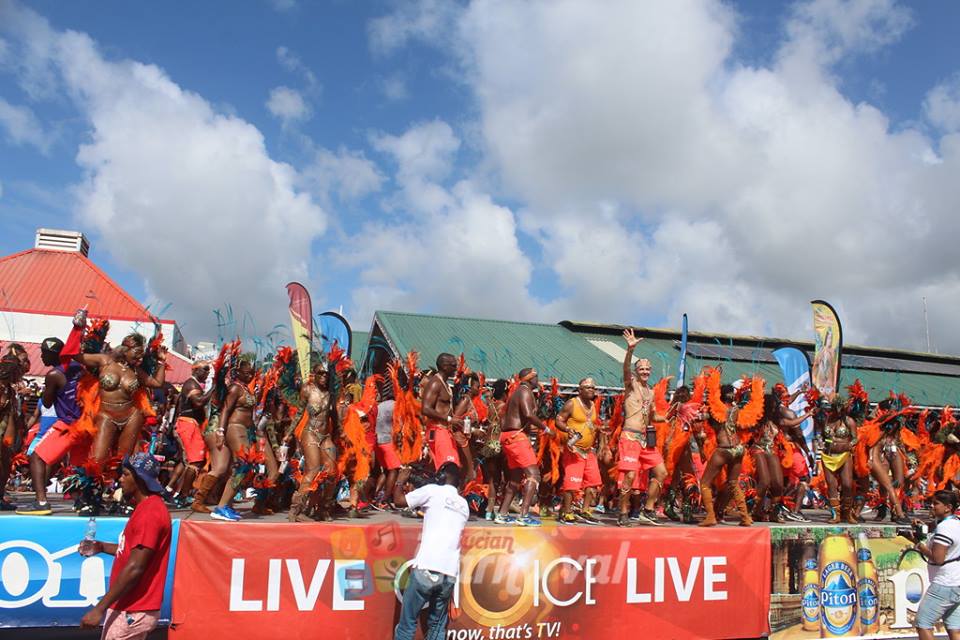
(818, 518)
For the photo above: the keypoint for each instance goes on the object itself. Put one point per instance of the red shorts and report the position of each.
(640, 481)
(194, 449)
(518, 450)
(799, 469)
(579, 472)
(635, 457)
(442, 446)
(387, 456)
(58, 442)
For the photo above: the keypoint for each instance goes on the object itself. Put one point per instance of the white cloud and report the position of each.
(23, 127)
(347, 173)
(178, 192)
(431, 20)
(288, 106)
(292, 63)
(394, 87)
(661, 175)
(283, 5)
(942, 105)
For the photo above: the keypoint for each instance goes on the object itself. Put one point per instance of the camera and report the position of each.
(915, 532)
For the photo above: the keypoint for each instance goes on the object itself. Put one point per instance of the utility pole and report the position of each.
(926, 323)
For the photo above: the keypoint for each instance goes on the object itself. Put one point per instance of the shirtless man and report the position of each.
(437, 412)
(521, 416)
(191, 414)
(638, 449)
(578, 419)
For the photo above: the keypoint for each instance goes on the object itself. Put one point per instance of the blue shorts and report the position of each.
(939, 603)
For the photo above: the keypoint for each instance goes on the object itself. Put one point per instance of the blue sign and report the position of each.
(45, 582)
(682, 365)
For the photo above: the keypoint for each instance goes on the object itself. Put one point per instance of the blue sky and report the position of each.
(525, 161)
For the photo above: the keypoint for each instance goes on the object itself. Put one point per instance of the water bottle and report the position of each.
(91, 533)
(467, 428)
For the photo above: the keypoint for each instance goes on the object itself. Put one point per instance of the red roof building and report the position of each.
(42, 288)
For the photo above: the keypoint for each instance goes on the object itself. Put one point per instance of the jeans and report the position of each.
(425, 587)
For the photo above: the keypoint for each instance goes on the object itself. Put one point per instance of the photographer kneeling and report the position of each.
(436, 566)
(942, 599)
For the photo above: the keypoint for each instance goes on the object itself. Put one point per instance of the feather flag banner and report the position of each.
(682, 365)
(301, 321)
(334, 329)
(828, 343)
(796, 373)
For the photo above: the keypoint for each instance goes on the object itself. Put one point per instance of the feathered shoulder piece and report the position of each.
(227, 360)
(718, 408)
(660, 402)
(412, 359)
(286, 368)
(369, 397)
(151, 362)
(751, 412)
(699, 388)
(95, 335)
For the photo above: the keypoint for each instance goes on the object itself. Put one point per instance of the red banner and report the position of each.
(260, 580)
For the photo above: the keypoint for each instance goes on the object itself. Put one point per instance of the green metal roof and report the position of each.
(358, 344)
(500, 348)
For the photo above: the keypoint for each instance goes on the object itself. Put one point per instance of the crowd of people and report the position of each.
(328, 445)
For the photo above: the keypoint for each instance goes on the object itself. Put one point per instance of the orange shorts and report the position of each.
(579, 472)
(442, 446)
(194, 448)
(387, 456)
(518, 450)
(58, 442)
(635, 457)
(798, 470)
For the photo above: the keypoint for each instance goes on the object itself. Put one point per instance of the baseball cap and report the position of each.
(145, 467)
(52, 345)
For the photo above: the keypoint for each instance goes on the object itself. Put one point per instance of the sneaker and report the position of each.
(651, 517)
(7, 506)
(600, 509)
(35, 509)
(641, 518)
(529, 521)
(507, 519)
(88, 510)
(586, 516)
(567, 518)
(623, 520)
(488, 516)
(226, 514)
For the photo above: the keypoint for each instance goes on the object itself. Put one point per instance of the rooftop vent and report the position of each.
(59, 240)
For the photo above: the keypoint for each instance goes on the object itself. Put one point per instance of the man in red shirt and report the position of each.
(131, 607)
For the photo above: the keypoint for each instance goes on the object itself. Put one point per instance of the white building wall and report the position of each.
(17, 326)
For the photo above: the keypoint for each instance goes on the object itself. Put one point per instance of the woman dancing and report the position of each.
(315, 435)
(236, 423)
(838, 436)
(727, 420)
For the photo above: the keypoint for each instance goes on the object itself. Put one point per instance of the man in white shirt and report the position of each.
(436, 566)
(942, 598)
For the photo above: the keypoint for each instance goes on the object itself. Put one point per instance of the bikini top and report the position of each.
(111, 382)
(248, 401)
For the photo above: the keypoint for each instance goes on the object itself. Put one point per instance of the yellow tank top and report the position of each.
(584, 424)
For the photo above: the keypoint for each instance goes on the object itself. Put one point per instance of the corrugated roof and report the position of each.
(59, 283)
(358, 344)
(500, 348)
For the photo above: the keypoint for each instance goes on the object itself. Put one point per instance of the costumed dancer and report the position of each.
(770, 449)
(121, 404)
(489, 450)
(465, 410)
(794, 462)
(214, 432)
(578, 420)
(838, 437)
(356, 457)
(191, 418)
(520, 418)
(638, 439)
(686, 440)
(10, 374)
(882, 441)
(728, 420)
(236, 425)
(939, 464)
(437, 411)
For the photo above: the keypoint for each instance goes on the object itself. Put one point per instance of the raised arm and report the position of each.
(632, 341)
(156, 380)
